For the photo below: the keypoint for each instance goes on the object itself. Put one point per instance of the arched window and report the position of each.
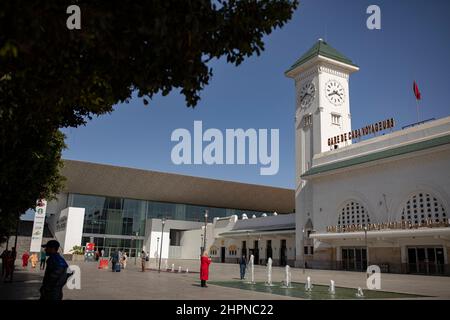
(213, 251)
(353, 213)
(423, 207)
(232, 250)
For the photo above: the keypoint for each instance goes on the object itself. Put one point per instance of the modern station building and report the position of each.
(123, 208)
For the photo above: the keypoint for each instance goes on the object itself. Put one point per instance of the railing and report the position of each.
(422, 268)
(417, 123)
(107, 251)
(388, 226)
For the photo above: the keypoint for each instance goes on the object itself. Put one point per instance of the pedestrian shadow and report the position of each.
(196, 285)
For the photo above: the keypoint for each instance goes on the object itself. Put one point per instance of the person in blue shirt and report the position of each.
(56, 275)
(243, 266)
(114, 260)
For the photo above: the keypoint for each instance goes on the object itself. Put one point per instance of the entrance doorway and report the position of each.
(283, 253)
(222, 254)
(269, 249)
(256, 251)
(244, 249)
(354, 259)
(426, 260)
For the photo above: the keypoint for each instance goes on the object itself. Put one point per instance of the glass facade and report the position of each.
(126, 217)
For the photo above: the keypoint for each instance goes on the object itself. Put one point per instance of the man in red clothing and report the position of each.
(205, 261)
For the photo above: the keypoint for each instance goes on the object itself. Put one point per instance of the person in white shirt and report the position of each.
(124, 259)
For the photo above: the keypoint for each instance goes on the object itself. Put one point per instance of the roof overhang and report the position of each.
(378, 156)
(250, 233)
(113, 181)
(292, 73)
(385, 234)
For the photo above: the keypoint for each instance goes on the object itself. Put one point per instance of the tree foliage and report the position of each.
(52, 77)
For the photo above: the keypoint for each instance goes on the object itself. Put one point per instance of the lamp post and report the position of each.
(204, 231)
(135, 249)
(157, 253)
(303, 249)
(201, 244)
(163, 222)
(367, 248)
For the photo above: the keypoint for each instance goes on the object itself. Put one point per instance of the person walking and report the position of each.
(56, 275)
(10, 260)
(25, 258)
(114, 260)
(43, 258)
(205, 261)
(34, 259)
(143, 260)
(124, 260)
(242, 266)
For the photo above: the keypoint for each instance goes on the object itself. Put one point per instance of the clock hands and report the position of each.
(335, 92)
(307, 90)
(304, 96)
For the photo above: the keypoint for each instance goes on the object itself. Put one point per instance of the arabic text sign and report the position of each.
(38, 226)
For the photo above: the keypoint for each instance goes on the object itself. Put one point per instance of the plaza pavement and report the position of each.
(132, 284)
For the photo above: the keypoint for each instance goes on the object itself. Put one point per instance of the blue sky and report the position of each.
(413, 44)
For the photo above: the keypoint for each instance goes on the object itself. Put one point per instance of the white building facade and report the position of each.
(268, 236)
(384, 200)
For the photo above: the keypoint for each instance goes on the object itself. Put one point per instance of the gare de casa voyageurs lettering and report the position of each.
(372, 128)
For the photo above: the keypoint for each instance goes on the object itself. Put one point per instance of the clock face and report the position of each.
(306, 95)
(334, 92)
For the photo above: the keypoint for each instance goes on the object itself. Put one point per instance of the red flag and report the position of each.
(416, 91)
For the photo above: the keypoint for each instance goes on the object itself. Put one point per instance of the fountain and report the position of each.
(269, 273)
(252, 270)
(308, 285)
(179, 269)
(360, 293)
(287, 281)
(173, 268)
(166, 266)
(332, 289)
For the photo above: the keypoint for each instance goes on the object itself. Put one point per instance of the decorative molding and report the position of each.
(307, 74)
(333, 70)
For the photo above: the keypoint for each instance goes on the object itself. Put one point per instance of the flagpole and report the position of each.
(417, 108)
(417, 96)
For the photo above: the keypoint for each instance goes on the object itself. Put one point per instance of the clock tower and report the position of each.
(322, 110)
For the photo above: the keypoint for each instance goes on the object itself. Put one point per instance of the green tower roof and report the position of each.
(324, 49)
